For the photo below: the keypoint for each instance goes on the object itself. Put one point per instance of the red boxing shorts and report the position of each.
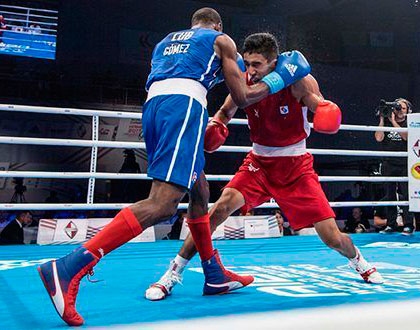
(291, 181)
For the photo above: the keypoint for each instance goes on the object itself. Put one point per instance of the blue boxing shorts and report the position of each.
(173, 129)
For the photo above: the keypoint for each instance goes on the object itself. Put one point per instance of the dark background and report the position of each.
(360, 51)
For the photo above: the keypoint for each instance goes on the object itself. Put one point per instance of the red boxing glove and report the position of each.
(215, 136)
(327, 118)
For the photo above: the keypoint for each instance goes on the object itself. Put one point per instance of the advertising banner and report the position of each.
(413, 147)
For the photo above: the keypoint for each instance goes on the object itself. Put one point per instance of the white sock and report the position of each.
(358, 256)
(180, 264)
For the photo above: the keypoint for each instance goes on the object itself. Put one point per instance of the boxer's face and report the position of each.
(257, 66)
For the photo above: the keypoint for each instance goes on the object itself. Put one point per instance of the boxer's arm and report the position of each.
(216, 130)
(307, 91)
(242, 95)
(327, 118)
(227, 110)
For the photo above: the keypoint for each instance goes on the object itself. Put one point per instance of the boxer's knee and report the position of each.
(200, 193)
(154, 210)
(230, 201)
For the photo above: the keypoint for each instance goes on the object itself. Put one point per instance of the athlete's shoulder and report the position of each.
(224, 45)
(223, 40)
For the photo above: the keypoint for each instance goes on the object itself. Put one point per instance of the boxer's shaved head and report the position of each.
(206, 16)
(262, 43)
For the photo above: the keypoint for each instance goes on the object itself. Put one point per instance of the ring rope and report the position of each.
(183, 206)
(143, 176)
(142, 145)
(32, 9)
(138, 115)
(94, 144)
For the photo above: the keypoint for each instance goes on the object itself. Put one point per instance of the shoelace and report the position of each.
(361, 266)
(173, 277)
(74, 284)
(89, 277)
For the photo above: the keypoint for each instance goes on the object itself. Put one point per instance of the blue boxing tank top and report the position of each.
(186, 54)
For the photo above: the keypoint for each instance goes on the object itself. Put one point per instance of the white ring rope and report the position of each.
(135, 115)
(182, 206)
(28, 21)
(70, 111)
(94, 144)
(31, 9)
(210, 177)
(343, 127)
(24, 14)
(142, 145)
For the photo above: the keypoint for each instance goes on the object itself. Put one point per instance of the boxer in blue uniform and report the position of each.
(185, 65)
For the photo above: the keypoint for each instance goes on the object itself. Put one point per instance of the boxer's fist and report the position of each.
(327, 118)
(215, 136)
(291, 67)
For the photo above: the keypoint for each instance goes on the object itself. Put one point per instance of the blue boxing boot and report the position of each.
(219, 280)
(62, 277)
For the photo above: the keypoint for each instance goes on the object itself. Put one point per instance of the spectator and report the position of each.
(35, 29)
(388, 219)
(284, 230)
(394, 114)
(13, 232)
(357, 222)
(17, 27)
(249, 213)
(127, 190)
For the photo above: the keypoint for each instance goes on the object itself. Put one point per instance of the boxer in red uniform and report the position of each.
(3, 27)
(278, 166)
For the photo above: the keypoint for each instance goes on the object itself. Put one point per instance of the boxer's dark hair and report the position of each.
(262, 43)
(206, 15)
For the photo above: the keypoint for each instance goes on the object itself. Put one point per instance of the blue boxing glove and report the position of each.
(291, 67)
(240, 61)
(241, 64)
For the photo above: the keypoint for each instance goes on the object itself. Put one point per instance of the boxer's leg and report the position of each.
(330, 234)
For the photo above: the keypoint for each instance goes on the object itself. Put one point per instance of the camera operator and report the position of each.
(394, 114)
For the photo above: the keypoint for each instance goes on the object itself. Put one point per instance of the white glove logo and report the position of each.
(291, 68)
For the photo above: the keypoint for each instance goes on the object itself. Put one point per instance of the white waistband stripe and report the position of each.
(296, 149)
(181, 86)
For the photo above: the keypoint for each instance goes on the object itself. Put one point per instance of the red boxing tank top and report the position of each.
(279, 120)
